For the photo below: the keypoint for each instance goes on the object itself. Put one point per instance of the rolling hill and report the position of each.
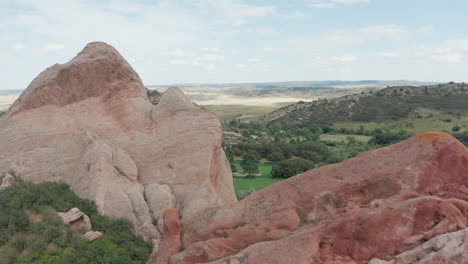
(389, 104)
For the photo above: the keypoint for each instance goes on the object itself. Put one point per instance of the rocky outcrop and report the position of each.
(171, 241)
(76, 219)
(447, 248)
(377, 205)
(7, 181)
(159, 198)
(92, 235)
(89, 123)
(79, 220)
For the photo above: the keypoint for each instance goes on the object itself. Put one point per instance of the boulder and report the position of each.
(376, 205)
(447, 248)
(7, 181)
(89, 123)
(76, 219)
(159, 198)
(92, 235)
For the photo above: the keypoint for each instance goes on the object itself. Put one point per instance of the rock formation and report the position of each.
(171, 241)
(76, 219)
(376, 205)
(92, 235)
(90, 124)
(7, 181)
(447, 248)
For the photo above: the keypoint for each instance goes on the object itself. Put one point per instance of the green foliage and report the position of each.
(463, 137)
(288, 168)
(250, 162)
(456, 128)
(388, 138)
(29, 225)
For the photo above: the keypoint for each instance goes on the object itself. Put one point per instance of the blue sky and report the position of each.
(200, 41)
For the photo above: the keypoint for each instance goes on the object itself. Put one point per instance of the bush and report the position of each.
(288, 168)
(118, 245)
(456, 128)
(388, 138)
(20, 242)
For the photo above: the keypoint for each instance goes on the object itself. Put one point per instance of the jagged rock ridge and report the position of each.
(90, 124)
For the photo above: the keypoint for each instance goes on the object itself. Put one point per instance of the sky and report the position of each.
(232, 41)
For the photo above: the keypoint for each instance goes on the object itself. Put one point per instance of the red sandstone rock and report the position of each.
(377, 205)
(90, 124)
(171, 239)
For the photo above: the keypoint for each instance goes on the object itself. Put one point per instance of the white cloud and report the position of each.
(241, 66)
(344, 59)
(211, 57)
(253, 60)
(426, 30)
(19, 45)
(387, 54)
(211, 49)
(339, 38)
(235, 12)
(271, 49)
(210, 67)
(178, 53)
(293, 15)
(52, 46)
(334, 3)
(448, 57)
(257, 31)
(185, 62)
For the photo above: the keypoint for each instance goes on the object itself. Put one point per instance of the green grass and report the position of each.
(344, 138)
(412, 125)
(258, 182)
(245, 112)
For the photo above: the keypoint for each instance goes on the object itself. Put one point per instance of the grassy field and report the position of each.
(258, 182)
(344, 138)
(439, 123)
(245, 112)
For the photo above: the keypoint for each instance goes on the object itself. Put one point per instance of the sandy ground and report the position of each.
(6, 101)
(211, 99)
(223, 99)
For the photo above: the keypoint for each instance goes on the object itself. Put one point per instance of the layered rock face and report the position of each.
(90, 124)
(378, 206)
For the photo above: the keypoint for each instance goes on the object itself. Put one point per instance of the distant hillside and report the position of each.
(391, 103)
(292, 84)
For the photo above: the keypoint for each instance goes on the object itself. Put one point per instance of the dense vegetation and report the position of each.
(31, 231)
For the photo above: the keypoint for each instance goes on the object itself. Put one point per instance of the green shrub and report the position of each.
(42, 201)
(20, 242)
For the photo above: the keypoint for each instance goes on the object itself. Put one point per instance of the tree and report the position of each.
(456, 128)
(250, 162)
(288, 168)
(230, 157)
(276, 156)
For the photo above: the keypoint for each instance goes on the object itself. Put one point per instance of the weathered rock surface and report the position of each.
(159, 198)
(7, 181)
(447, 248)
(76, 219)
(90, 124)
(376, 205)
(171, 240)
(92, 235)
